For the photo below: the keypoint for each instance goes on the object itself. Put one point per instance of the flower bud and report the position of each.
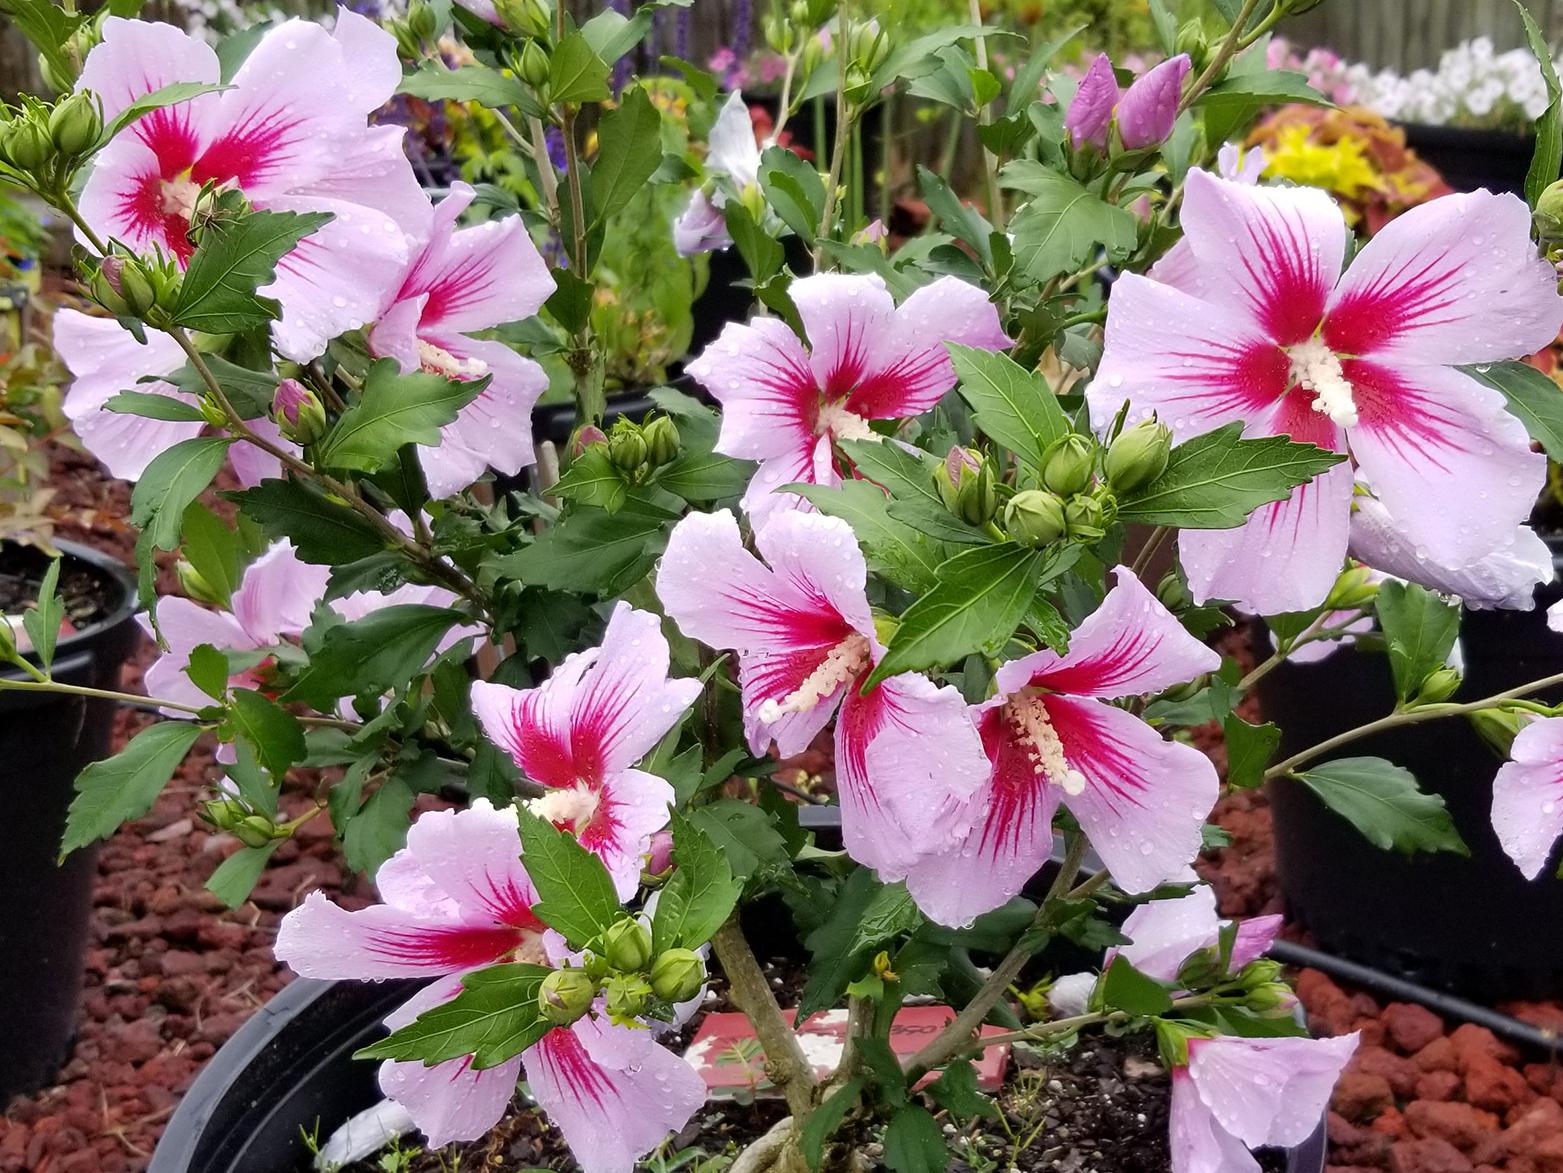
(659, 859)
(813, 56)
(1200, 969)
(1091, 112)
(1035, 517)
(627, 945)
(662, 441)
(25, 142)
(1193, 42)
(1500, 726)
(565, 995)
(298, 412)
(1138, 456)
(75, 125)
(948, 476)
(626, 995)
(1150, 106)
(1356, 587)
(1086, 518)
(1272, 996)
(1548, 216)
(533, 67)
(213, 412)
(1068, 464)
(869, 46)
(1262, 971)
(1441, 684)
(677, 975)
(1173, 593)
(194, 583)
(528, 18)
(256, 831)
(8, 648)
(586, 436)
(225, 813)
(858, 88)
(967, 486)
(775, 31)
(627, 446)
(105, 286)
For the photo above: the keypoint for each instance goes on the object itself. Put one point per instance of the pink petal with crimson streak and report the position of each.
(848, 319)
(372, 171)
(760, 375)
(533, 725)
(278, 594)
(1527, 796)
(768, 494)
(138, 57)
(494, 431)
(1268, 1091)
(474, 856)
(1199, 1143)
(631, 807)
(318, 939)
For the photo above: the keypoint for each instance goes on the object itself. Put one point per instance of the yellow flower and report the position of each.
(1342, 167)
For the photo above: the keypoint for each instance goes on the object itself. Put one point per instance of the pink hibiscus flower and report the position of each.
(1257, 324)
(1238, 1094)
(1163, 934)
(458, 281)
(457, 898)
(1051, 737)
(785, 405)
(292, 135)
(273, 600)
(581, 732)
(1527, 796)
(907, 756)
(105, 359)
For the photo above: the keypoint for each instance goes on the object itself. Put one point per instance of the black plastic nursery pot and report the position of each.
(1469, 159)
(45, 741)
(1472, 925)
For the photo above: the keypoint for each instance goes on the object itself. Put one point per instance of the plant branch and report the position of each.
(1218, 63)
(990, 161)
(102, 694)
(838, 157)
(785, 1062)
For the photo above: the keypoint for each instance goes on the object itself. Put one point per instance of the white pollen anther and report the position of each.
(841, 424)
(1028, 717)
(846, 661)
(571, 807)
(1316, 368)
(436, 360)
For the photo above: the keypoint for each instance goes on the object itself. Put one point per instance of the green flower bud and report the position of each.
(813, 55)
(225, 813)
(1173, 592)
(137, 288)
(627, 945)
(566, 995)
(1138, 456)
(1200, 970)
(677, 975)
(75, 125)
(967, 486)
(422, 22)
(194, 584)
(1192, 40)
(1440, 685)
(1356, 587)
(586, 436)
(662, 441)
(298, 412)
(626, 995)
(213, 412)
(1035, 517)
(527, 18)
(105, 287)
(255, 831)
(8, 649)
(858, 88)
(533, 67)
(627, 447)
(27, 145)
(775, 31)
(1086, 518)
(1069, 463)
(1499, 727)
(1273, 996)
(1261, 972)
(1548, 216)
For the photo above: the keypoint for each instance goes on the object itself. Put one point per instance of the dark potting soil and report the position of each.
(87, 594)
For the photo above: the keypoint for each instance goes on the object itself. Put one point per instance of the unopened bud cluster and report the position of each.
(624, 970)
(141, 287)
(634, 449)
(46, 144)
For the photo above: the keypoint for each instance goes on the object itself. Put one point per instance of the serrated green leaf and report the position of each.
(1216, 480)
(701, 477)
(576, 74)
(1249, 749)
(593, 552)
(470, 83)
(701, 894)
(372, 655)
(1230, 105)
(1064, 225)
(169, 95)
(575, 892)
(154, 407)
(175, 478)
(593, 479)
(124, 787)
(235, 878)
(964, 223)
(322, 531)
(1010, 404)
(1382, 800)
(914, 1143)
(376, 830)
(1548, 155)
(629, 150)
(824, 1120)
(42, 620)
(273, 732)
(1419, 628)
(394, 409)
(956, 1092)
(1126, 988)
(207, 669)
(236, 257)
(493, 1019)
(902, 553)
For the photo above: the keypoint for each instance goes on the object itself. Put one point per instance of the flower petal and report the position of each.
(847, 318)
(318, 939)
(1145, 798)
(817, 560)
(1199, 1143)
(1455, 280)
(733, 150)
(1268, 1091)
(1255, 935)
(451, 1101)
(1010, 839)
(474, 857)
(1527, 796)
(768, 495)
(760, 375)
(1278, 250)
(495, 429)
(372, 171)
(185, 626)
(1285, 557)
(700, 227)
(1163, 934)
(1445, 456)
(632, 806)
(1129, 645)
(278, 593)
(533, 725)
(138, 57)
(612, 1091)
(1091, 112)
(1149, 107)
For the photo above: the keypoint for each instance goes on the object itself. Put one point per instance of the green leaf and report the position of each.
(914, 1143)
(208, 670)
(794, 189)
(275, 733)
(1010, 404)
(175, 478)
(1420, 629)
(214, 551)
(235, 878)
(1216, 480)
(1230, 105)
(154, 407)
(956, 1092)
(378, 829)
(1383, 801)
(394, 409)
(250, 392)
(169, 95)
(470, 83)
(494, 1018)
(1064, 225)
(575, 892)
(42, 620)
(48, 26)
(701, 477)
(864, 917)
(902, 553)
(964, 223)
(593, 479)
(745, 834)
(124, 787)
(1531, 396)
(762, 253)
(1548, 156)
(629, 150)
(825, 1119)
(1249, 749)
(576, 74)
(1126, 988)
(593, 552)
(235, 258)
(981, 597)
(322, 531)
(701, 893)
(372, 655)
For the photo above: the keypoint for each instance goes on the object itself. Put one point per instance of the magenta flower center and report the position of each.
(846, 661)
(1033, 728)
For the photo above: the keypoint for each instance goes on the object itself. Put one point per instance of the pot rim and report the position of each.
(111, 569)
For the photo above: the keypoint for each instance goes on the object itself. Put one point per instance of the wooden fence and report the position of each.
(1410, 34)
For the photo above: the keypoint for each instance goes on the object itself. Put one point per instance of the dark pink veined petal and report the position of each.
(474, 857)
(1277, 250)
(625, 703)
(849, 321)
(908, 760)
(632, 806)
(1010, 838)
(1192, 362)
(770, 400)
(612, 1091)
(765, 676)
(1456, 280)
(816, 561)
(1129, 645)
(910, 370)
(533, 725)
(1527, 796)
(318, 939)
(494, 431)
(1444, 455)
(125, 197)
(1145, 798)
